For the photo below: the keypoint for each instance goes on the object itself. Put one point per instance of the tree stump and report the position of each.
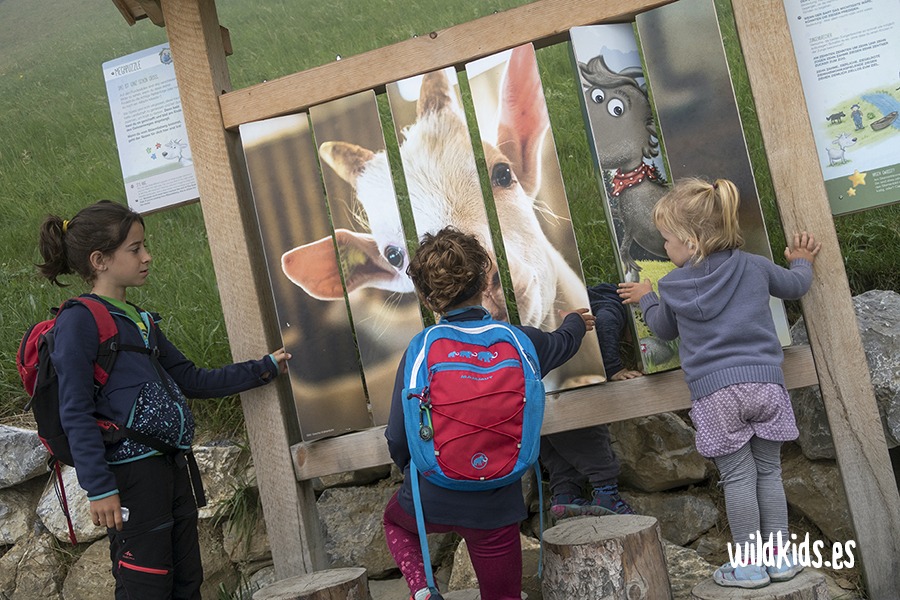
(806, 585)
(605, 558)
(331, 584)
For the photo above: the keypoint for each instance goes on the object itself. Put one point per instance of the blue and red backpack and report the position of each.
(473, 406)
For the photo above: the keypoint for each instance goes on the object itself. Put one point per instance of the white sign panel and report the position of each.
(848, 53)
(153, 145)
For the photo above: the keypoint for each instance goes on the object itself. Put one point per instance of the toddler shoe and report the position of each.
(749, 577)
(568, 505)
(426, 594)
(606, 500)
(785, 571)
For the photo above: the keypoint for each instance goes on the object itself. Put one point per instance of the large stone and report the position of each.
(815, 490)
(218, 570)
(32, 570)
(24, 456)
(223, 468)
(51, 513)
(657, 453)
(686, 569)
(352, 478)
(354, 534)
(91, 575)
(683, 516)
(878, 317)
(246, 542)
(17, 516)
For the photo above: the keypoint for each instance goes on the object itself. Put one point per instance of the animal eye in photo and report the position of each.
(501, 175)
(597, 95)
(394, 255)
(616, 107)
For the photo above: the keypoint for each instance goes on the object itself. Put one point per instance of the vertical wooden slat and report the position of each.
(830, 319)
(197, 49)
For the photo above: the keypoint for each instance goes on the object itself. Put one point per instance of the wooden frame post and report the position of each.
(199, 56)
(830, 318)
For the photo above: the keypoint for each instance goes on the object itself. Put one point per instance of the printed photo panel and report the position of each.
(439, 164)
(698, 112)
(531, 203)
(370, 241)
(622, 134)
(287, 193)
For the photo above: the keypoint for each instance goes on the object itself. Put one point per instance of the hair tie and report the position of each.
(65, 226)
(716, 185)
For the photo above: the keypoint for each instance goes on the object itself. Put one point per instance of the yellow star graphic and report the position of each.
(851, 192)
(858, 178)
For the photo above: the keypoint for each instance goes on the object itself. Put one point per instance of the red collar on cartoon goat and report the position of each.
(622, 181)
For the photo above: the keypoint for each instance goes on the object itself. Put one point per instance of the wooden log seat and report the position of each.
(610, 558)
(806, 585)
(330, 584)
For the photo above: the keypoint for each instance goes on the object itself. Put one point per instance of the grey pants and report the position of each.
(573, 458)
(754, 493)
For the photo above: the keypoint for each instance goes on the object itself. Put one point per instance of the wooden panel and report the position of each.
(830, 318)
(572, 409)
(195, 39)
(530, 199)
(544, 21)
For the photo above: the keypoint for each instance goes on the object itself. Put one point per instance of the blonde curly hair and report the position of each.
(449, 268)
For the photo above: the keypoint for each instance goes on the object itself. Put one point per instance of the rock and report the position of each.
(683, 516)
(878, 316)
(462, 576)
(32, 570)
(354, 534)
(90, 576)
(223, 469)
(218, 571)
(686, 569)
(351, 478)
(657, 453)
(24, 456)
(712, 546)
(17, 516)
(246, 546)
(51, 514)
(815, 490)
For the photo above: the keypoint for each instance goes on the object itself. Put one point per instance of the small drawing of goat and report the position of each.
(178, 150)
(836, 154)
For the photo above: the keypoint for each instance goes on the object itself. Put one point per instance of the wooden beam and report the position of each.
(195, 39)
(572, 409)
(545, 20)
(830, 318)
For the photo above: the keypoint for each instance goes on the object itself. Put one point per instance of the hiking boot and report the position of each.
(749, 577)
(426, 594)
(608, 500)
(568, 505)
(785, 571)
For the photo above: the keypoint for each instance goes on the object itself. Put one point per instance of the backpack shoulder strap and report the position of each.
(107, 333)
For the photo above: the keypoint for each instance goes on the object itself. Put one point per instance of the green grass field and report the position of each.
(57, 154)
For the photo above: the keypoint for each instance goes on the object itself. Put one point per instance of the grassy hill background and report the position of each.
(58, 154)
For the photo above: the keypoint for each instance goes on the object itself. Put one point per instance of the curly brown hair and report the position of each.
(449, 268)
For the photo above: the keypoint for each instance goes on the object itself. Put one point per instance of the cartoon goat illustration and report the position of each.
(439, 168)
(838, 148)
(179, 151)
(620, 115)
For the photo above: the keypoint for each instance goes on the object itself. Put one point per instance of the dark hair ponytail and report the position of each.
(66, 246)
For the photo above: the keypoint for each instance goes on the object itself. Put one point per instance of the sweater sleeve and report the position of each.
(556, 347)
(196, 382)
(76, 343)
(396, 430)
(659, 317)
(789, 284)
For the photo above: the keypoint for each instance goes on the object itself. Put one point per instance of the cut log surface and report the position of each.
(611, 557)
(806, 585)
(331, 584)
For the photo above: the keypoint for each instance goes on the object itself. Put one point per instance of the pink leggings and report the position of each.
(496, 553)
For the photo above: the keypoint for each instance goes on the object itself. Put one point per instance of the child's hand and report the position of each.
(804, 246)
(107, 512)
(631, 292)
(585, 315)
(281, 357)
(626, 374)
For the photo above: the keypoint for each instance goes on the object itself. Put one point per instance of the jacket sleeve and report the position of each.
(196, 382)
(789, 284)
(556, 347)
(396, 431)
(76, 343)
(659, 317)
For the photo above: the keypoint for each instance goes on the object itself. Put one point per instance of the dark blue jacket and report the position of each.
(135, 394)
(487, 509)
